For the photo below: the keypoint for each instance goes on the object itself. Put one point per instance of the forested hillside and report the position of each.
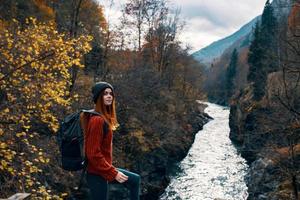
(264, 115)
(53, 51)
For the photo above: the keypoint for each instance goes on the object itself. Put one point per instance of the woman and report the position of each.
(98, 147)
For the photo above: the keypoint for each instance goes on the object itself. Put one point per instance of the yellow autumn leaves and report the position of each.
(35, 64)
(34, 67)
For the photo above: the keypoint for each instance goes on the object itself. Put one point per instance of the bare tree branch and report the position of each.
(42, 57)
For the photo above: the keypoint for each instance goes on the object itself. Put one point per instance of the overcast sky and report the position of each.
(206, 20)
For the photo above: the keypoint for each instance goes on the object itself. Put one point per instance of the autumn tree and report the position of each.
(34, 78)
(288, 93)
(83, 17)
(136, 10)
(161, 39)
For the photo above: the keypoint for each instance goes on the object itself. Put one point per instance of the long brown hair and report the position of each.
(108, 112)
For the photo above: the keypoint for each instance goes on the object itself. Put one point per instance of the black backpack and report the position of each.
(70, 138)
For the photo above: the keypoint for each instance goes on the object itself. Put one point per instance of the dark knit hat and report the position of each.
(98, 88)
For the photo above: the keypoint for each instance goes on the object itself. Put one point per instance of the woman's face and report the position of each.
(107, 96)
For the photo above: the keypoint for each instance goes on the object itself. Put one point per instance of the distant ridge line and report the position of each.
(207, 54)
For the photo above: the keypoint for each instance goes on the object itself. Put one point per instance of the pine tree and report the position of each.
(255, 54)
(256, 57)
(268, 37)
(231, 73)
(261, 57)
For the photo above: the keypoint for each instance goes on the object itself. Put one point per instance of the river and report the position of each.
(212, 169)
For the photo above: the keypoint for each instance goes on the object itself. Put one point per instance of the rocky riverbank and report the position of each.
(267, 129)
(265, 140)
(155, 157)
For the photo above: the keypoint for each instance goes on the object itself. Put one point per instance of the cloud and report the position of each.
(200, 32)
(206, 20)
(210, 20)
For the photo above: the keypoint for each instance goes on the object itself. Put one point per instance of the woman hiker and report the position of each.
(98, 147)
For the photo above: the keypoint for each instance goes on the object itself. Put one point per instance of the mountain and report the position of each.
(207, 54)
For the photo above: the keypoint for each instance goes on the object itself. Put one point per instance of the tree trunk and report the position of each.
(73, 33)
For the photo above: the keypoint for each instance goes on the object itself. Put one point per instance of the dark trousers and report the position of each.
(99, 186)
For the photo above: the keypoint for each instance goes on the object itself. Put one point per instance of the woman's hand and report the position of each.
(121, 178)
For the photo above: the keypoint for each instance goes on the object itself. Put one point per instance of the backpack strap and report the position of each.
(93, 112)
(84, 119)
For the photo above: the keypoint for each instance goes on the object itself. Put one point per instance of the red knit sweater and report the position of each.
(98, 149)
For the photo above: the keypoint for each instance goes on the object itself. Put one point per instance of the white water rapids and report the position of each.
(212, 169)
